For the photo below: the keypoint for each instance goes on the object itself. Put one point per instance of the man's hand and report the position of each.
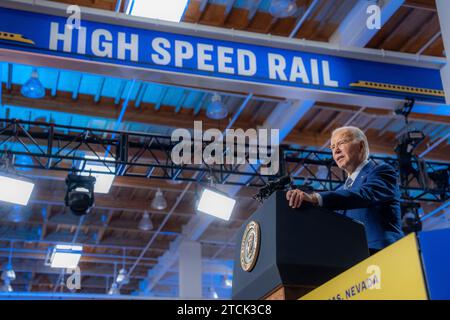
(296, 198)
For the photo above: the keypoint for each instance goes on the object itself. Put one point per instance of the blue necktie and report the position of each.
(348, 183)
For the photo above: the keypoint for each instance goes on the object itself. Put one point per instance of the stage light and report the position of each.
(122, 277)
(441, 181)
(216, 109)
(103, 181)
(282, 8)
(159, 202)
(65, 256)
(9, 273)
(146, 223)
(6, 287)
(410, 217)
(216, 204)
(13, 188)
(404, 150)
(33, 88)
(80, 193)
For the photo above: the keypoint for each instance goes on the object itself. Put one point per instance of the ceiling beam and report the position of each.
(107, 109)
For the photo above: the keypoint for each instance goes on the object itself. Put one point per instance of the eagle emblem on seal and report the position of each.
(250, 246)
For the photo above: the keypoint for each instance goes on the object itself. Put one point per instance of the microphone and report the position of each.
(283, 183)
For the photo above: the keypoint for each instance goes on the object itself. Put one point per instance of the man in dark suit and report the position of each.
(370, 194)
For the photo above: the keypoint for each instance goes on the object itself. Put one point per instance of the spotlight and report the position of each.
(159, 202)
(6, 287)
(441, 180)
(65, 256)
(33, 88)
(282, 8)
(408, 142)
(122, 277)
(216, 204)
(410, 217)
(216, 109)
(103, 181)
(146, 223)
(80, 193)
(13, 188)
(9, 273)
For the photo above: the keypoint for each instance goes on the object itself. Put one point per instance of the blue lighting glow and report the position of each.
(33, 88)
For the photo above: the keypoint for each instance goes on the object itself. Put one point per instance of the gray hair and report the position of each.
(358, 135)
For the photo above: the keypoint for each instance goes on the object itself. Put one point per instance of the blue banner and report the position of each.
(35, 32)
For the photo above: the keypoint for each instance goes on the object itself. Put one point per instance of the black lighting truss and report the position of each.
(133, 154)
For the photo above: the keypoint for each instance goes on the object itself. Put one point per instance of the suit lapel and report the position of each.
(362, 174)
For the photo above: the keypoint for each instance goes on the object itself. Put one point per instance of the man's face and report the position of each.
(347, 152)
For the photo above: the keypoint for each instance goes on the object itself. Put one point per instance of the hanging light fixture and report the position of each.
(216, 109)
(8, 275)
(159, 202)
(146, 223)
(6, 287)
(33, 88)
(123, 277)
(114, 287)
(282, 8)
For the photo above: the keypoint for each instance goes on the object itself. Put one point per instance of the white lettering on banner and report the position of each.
(193, 56)
(132, 47)
(277, 70)
(203, 57)
(242, 56)
(81, 48)
(277, 64)
(102, 48)
(65, 37)
(298, 70)
(326, 75)
(223, 59)
(183, 51)
(315, 72)
(160, 45)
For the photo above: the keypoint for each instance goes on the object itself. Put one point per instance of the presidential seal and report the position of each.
(250, 246)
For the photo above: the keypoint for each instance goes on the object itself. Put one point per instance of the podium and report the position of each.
(284, 253)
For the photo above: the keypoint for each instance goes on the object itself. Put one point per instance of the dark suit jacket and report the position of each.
(374, 200)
